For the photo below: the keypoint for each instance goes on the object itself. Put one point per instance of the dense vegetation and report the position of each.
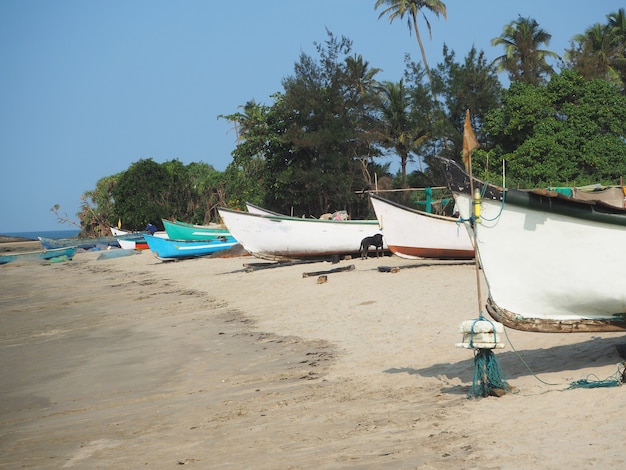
(316, 147)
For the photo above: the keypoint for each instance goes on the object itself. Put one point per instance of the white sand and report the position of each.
(133, 362)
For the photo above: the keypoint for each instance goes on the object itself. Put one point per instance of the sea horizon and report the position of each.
(34, 234)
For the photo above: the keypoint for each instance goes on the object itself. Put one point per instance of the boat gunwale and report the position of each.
(415, 211)
(219, 227)
(535, 199)
(288, 218)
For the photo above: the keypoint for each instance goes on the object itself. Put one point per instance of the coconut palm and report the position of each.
(594, 53)
(399, 130)
(617, 22)
(360, 72)
(399, 8)
(523, 57)
(600, 51)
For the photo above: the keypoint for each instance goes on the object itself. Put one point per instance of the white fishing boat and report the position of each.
(552, 263)
(415, 234)
(279, 237)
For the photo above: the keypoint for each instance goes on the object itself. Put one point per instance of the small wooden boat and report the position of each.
(552, 263)
(168, 249)
(280, 237)
(414, 234)
(177, 230)
(51, 255)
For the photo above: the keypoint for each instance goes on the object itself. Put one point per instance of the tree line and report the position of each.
(317, 146)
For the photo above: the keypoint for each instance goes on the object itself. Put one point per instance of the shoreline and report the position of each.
(132, 361)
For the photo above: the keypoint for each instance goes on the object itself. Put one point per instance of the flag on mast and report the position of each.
(469, 140)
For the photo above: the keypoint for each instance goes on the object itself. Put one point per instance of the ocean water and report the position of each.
(44, 233)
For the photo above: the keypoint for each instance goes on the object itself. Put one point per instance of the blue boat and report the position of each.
(167, 249)
(53, 255)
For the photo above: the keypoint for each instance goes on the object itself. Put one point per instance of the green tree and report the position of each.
(523, 57)
(472, 84)
(194, 192)
(139, 194)
(361, 86)
(395, 9)
(244, 176)
(97, 213)
(572, 130)
(315, 163)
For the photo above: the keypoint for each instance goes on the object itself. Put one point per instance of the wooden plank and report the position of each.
(330, 271)
(250, 267)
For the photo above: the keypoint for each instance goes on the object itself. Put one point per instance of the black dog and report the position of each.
(376, 241)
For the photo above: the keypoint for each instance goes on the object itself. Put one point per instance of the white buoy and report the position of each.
(481, 334)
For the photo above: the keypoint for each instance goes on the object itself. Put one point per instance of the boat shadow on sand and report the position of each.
(592, 353)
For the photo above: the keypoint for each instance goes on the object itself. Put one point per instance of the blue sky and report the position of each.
(90, 86)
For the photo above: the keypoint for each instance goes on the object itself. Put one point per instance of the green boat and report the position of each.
(183, 231)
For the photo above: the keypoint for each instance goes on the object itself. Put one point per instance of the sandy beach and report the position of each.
(132, 362)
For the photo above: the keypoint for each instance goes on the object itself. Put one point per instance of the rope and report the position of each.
(615, 380)
(482, 194)
(523, 361)
(482, 318)
(488, 376)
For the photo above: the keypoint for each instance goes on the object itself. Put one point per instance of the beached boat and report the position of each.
(177, 230)
(168, 249)
(127, 234)
(118, 232)
(139, 244)
(51, 255)
(84, 243)
(415, 234)
(280, 237)
(552, 263)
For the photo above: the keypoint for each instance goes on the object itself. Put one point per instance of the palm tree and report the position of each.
(399, 130)
(617, 22)
(594, 53)
(600, 51)
(398, 8)
(523, 57)
(358, 70)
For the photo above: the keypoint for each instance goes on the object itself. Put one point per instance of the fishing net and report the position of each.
(488, 376)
